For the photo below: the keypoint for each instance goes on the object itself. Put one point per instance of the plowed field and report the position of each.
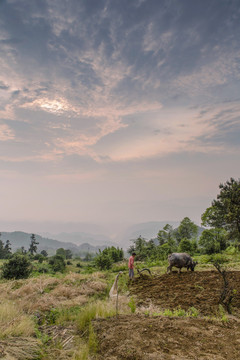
(201, 290)
(140, 337)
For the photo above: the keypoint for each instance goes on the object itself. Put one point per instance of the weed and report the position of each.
(168, 312)
(92, 340)
(92, 311)
(179, 312)
(132, 305)
(222, 313)
(192, 312)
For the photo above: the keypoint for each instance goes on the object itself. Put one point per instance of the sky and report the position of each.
(116, 111)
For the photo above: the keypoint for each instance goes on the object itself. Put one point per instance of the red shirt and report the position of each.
(131, 262)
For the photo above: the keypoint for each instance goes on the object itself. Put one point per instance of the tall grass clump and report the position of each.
(132, 305)
(92, 340)
(99, 309)
(14, 322)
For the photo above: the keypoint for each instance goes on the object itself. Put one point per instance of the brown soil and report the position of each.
(142, 337)
(138, 337)
(201, 290)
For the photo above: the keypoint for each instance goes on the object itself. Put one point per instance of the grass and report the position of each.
(94, 310)
(14, 322)
(74, 299)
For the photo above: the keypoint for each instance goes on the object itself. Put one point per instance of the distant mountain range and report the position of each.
(79, 238)
(85, 241)
(19, 239)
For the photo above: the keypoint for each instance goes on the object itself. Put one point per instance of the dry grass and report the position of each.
(44, 292)
(13, 322)
(22, 348)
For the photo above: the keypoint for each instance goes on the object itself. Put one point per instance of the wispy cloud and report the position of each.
(6, 133)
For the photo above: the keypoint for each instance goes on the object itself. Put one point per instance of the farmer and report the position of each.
(131, 265)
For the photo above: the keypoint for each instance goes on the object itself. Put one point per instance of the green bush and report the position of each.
(103, 261)
(43, 269)
(18, 267)
(107, 257)
(231, 250)
(57, 263)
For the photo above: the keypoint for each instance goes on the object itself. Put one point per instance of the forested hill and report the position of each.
(19, 239)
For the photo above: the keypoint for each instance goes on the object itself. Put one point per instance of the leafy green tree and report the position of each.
(166, 234)
(187, 229)
(57, 263)
(68, 254)
(2, 252)
(185, 246)
(61, 252)
(39, 257)
(33, 245)
(7, 249)
(107, 257)
(213, 240)
(18, 267)
(103, 261)
(44, 253)
(140, 247)
(164, 250)
(225, 210)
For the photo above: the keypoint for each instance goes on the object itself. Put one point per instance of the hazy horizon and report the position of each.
(116, 112)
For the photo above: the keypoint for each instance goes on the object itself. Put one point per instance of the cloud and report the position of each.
(97, 82)
(6, 133)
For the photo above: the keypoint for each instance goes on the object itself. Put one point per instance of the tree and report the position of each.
(68, 254)
(140, 247)
(57, 263)
(103, 261)
(7, 248)
(225, 210)
(2, 253)
(18, 267)
(33, 245)
(44, 253)
(166, 234)
(61, 252)
(185, 246)
(107, 257)
(213, 240)
(187, 229)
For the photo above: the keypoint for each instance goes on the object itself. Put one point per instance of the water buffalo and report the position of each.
(180, 260)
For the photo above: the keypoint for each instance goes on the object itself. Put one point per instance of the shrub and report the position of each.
(103, 261)
(18, 267)
(231, 250)
(43, 269)
(57, 263)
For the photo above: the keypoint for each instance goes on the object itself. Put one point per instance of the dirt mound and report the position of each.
(139, 337)
(189, 289)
